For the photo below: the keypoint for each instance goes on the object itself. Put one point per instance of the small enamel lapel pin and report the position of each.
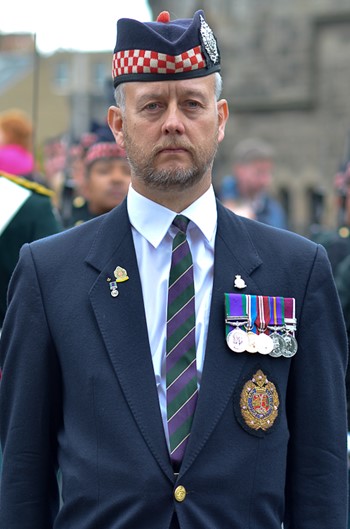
(120, 275)
(239, 282)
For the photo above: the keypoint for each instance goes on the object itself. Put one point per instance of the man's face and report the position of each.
(170, 131)
(106, 184)
(253, 177)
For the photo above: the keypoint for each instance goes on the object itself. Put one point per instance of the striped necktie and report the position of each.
(181, 369)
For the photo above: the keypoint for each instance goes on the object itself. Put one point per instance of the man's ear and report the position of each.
(223, 114)
(115, 122)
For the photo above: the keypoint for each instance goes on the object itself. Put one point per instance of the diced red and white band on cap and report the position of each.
(104, 150)
(146, 61)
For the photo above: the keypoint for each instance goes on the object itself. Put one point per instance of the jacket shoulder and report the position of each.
(28, 184)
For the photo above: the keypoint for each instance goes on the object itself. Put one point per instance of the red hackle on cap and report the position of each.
(164, 17)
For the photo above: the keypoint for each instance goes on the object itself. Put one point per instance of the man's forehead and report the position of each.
(194, 86)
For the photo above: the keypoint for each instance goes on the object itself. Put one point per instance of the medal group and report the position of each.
(261, 324)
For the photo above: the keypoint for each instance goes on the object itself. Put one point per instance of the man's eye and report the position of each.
(152, 106)
(193, 104)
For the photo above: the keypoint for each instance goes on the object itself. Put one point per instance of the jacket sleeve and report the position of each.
(316, 487)
(29, 396)
(342, 279)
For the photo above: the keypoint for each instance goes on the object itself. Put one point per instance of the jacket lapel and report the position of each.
(234, 255)
(123, 328)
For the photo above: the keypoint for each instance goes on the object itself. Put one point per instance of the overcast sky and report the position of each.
(71, 24)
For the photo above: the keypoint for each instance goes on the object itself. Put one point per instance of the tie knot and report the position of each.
(181, 222)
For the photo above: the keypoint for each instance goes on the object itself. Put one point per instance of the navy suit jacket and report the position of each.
(78, 392)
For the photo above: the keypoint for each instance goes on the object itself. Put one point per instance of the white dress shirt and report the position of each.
(153, 234)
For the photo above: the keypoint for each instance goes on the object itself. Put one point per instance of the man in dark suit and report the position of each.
(219, 403)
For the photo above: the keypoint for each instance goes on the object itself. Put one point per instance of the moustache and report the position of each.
(173, 145)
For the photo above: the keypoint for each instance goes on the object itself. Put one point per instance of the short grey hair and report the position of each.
(252, 149)
(119, 93)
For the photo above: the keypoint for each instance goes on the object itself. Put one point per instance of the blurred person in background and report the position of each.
(26, 209)
(26, 214)
(339, 250)
(338, 247)
(16, 145)
(250, 182)
(337, 241)
(337, 244)
(105, 184)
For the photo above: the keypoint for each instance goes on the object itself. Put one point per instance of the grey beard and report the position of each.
(165, 179)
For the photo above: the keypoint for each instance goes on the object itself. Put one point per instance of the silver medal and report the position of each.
(278, 345)
(237, 340)
(264, 343)
(290, 345)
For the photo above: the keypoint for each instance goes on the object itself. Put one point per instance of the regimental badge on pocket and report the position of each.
(259, 402)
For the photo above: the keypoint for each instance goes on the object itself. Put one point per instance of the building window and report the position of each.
(61, 76)
(99, 76)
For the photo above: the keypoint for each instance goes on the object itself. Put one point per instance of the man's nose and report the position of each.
(173, 121)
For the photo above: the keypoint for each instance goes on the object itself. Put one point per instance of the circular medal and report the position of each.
(290, 345)
(114, 292)
(264, 343)
(237, 340)
(252, 346)
(278, 344)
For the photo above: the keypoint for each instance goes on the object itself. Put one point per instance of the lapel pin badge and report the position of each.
(120, 275)
(239, 282)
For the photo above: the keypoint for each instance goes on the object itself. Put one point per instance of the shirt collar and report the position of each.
(153, 221)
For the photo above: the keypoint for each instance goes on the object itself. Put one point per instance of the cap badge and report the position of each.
(259, 402)
(209, 41)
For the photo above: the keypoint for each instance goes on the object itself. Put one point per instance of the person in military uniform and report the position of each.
(107, 179)
(26, 214)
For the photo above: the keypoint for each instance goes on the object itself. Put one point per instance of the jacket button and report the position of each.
(180, 493)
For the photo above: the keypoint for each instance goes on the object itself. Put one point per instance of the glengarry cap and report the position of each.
(164, 50)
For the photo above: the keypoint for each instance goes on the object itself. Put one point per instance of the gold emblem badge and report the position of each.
(120, 274)
(259, 402)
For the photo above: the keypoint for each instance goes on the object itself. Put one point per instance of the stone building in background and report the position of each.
(286, 70)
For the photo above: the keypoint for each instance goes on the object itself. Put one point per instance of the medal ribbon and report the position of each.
(277, 311)
(263, 317)
(236, 307)
(289, 313)
(252, 311)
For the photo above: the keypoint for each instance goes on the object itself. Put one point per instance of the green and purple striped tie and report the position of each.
(181, 369)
